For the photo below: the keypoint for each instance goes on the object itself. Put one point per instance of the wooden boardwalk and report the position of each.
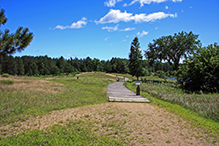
(118, 92)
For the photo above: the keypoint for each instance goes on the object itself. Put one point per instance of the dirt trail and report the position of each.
(136, 123)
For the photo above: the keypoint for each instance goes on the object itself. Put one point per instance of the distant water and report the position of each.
(173, 78)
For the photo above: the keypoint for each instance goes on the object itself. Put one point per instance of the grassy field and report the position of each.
(34, 96)
(50, 111)
(200, 108)
(73, 133)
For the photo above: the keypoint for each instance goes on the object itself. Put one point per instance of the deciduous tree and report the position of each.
(172, 48)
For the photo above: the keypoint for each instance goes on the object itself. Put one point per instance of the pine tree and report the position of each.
(10, 43)
(20, 66)
(34, 68)
(135, 59)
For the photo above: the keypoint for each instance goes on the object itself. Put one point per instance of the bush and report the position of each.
(201, 70)
(7, 82)
(5, 75)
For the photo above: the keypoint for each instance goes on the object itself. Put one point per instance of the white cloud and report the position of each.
(152, 17)
(142, 2)
(110, 29)
(106, 38)
(127, 29)
(115, 16)
(166, 7)
(111, 3)
(142, 34)
(124, 40)
(75, 25)
(125, 5)
(115, 28)
(156, 28)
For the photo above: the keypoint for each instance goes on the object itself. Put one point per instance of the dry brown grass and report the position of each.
(30, 84)
(135, 123)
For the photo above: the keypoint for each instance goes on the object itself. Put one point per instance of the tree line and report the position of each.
(44, 65)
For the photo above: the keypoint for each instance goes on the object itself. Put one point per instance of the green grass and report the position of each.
(157, 93)
(6, 82)
(204, 104)
(73, 133)
(89, 89)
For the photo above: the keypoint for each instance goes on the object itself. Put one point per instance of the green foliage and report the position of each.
(73, 133)
(201, 71)
(135, 59)
(3, 20)
(20, 66)
(145, 72)
(6, 82)
(55, 70)
(5, 75)
(10, 43)
(172, 48)
(162, 74)
(34, 69)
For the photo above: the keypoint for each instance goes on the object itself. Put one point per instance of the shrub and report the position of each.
(5, 75)
(201, 70)
(7, 82)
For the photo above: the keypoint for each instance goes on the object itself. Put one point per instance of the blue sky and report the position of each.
(105, 28)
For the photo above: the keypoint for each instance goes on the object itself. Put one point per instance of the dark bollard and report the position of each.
(138, 84)
(77, 77)
(138, 90)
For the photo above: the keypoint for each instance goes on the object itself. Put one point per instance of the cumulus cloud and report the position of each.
(142, 2)
(141, 34)
(115, 16)
(75, 25)
(111, 3)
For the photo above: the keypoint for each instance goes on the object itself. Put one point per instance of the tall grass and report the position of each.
(206, 105)
(35, 96)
